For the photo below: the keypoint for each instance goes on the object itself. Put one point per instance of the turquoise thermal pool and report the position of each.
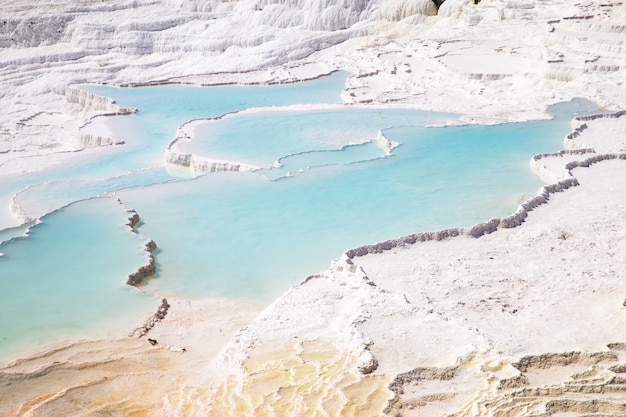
(327, 183)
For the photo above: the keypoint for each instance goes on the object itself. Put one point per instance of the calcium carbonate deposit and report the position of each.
(158, 260)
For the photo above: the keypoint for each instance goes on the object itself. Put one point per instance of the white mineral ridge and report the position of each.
(495, 61)
(45, 49)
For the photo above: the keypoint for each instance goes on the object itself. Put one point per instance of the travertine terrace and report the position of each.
(518, 316)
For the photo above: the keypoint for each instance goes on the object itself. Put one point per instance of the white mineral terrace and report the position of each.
(519, 316)
(180, 152)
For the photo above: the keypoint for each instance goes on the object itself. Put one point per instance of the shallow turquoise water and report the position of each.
(239, 234)
(161, 110)
(68, 277)
(75, 307)
(261, 138)
(254, 238)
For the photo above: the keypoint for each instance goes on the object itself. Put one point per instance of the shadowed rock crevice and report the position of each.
(438, 3)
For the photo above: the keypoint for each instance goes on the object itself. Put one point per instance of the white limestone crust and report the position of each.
(441, 323)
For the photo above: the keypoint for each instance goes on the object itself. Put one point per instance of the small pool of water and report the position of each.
(67, 278)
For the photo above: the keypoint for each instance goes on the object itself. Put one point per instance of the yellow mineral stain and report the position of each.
(308, 379)
(316, 351)
(312, 378)
(304, 372)
(263, 358)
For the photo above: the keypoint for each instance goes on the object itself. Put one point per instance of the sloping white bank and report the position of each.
(496, 60)
(44, 49)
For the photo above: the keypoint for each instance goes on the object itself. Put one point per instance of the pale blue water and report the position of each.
(239, 234)
(69, 275)
(162, 110)
(255, 238)
(301, 138)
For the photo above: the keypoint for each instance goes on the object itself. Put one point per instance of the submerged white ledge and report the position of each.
(197, 164)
